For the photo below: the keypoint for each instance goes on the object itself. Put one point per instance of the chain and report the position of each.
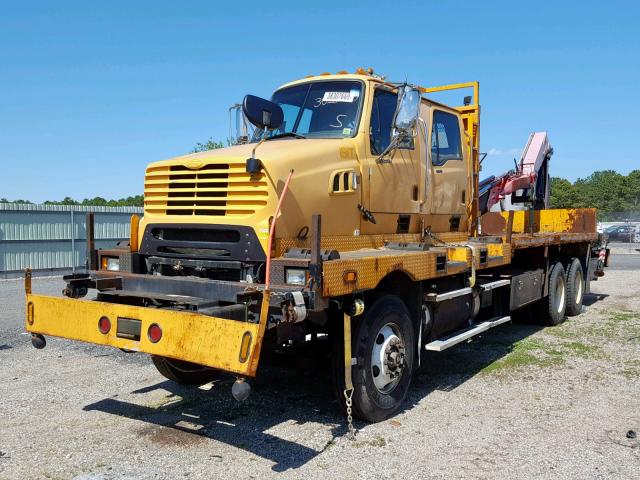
(351, 434)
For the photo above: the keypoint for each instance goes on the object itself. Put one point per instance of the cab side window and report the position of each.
(445, 138)
(384, 106)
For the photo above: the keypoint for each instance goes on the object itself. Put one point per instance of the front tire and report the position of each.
(575, 288)
(184, 373)
(384, 347)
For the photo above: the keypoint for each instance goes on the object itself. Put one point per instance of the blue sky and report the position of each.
(90, 92)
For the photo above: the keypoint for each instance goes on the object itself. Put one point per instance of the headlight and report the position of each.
(110, 263)
(113, 264)
(295, 276)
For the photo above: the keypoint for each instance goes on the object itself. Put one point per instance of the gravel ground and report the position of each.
(520, 402)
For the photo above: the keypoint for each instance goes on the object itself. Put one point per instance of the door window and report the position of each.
(384, 106)
(445, 138)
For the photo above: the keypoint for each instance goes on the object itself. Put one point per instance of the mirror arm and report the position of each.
(253, 152)
(424, 126)
(391, 147)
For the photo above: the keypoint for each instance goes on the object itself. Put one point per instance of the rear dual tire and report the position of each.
(553, 306)
(575, 287)
(550, 310)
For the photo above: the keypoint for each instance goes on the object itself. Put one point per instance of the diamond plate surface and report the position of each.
(346, 243)
(373, 265)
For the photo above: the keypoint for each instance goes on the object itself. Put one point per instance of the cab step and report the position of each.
(462, 335)
(485, 287)
(494, 284)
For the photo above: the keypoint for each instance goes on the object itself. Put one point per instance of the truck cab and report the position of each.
(335, 134)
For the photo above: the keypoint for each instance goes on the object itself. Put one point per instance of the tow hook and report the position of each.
(38, 341)
(240, 389)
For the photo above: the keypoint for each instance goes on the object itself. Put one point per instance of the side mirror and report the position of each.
(262, 113)
(407, 111)
(405, 118)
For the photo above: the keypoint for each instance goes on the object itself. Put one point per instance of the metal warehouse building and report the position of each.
(52, 238)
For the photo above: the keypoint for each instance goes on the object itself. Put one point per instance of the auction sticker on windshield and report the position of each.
(340, 96)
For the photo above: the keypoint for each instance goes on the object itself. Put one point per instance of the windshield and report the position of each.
(328, 109)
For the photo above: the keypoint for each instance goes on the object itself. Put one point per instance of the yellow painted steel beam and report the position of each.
(211, 341)
(348, 275)
(459, 254)
(351, 274)
(557, 220)
(456, 86)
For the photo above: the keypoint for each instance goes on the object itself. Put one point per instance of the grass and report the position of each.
(563, 331)
(618, 317)
(630, 373)
(583, 350)
(525, 353)
(618, 326)
(566, 342)
(631, 370)
(377, 441)
(537, 353)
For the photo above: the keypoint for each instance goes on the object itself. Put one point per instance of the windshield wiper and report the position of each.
(286, 134)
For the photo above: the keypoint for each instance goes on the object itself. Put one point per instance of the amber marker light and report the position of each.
(350, 276)
(244, 347)
(30, 318)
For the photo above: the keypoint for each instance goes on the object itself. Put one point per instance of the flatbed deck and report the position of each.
(424, 258)
(525, 240)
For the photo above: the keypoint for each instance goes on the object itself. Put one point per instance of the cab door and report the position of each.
(393, 180)
(449, 177)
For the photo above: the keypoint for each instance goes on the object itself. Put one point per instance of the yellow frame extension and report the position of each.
(211, 341)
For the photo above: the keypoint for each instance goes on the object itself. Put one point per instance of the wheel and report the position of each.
(552, 307)
(182, 372)
(383, 343)
(575, 288)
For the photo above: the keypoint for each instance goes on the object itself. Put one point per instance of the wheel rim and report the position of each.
(387, 358)
(560, 296)
(578, 287)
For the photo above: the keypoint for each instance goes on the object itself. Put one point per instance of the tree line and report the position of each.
(134, 201)
(606, 190)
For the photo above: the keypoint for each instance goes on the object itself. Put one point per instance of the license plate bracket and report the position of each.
(129, 328)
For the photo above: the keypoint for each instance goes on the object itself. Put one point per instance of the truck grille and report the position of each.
(223, 189)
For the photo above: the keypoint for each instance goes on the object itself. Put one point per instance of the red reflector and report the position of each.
(104, 325)
(154, 333)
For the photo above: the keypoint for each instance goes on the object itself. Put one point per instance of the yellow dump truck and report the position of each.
(353, 214)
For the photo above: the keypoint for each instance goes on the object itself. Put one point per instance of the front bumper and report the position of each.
(215, 342)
